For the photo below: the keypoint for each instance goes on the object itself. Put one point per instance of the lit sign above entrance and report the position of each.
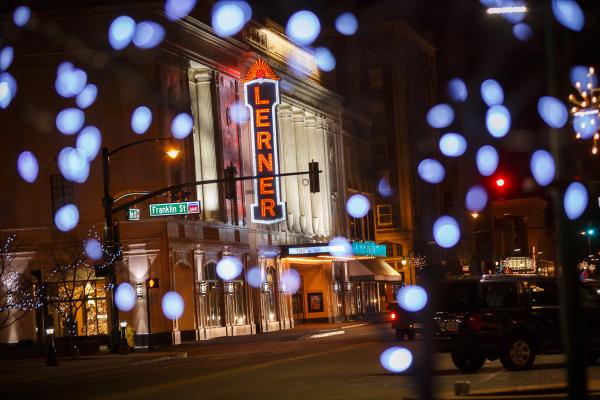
(261, 95)
(371, 249)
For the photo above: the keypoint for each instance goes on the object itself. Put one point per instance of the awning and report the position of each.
(372, 270)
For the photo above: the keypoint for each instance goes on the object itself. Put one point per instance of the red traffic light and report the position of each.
(500, 182)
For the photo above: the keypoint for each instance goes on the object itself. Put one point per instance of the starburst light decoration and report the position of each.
(586, 105)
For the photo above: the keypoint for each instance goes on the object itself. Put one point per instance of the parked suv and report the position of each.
(510, 317)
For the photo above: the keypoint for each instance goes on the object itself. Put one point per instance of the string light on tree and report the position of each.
(586, 104)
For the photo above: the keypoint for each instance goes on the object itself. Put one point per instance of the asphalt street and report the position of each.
(343, 366)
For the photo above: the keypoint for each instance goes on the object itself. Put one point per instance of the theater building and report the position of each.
(258, 105)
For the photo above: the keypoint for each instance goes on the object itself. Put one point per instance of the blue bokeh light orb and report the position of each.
(325, 59)
(586, 124)
(8, 89)
(492, 93)
(290, 281)
(182, 126)
(583, 76)
(568, 14)
(497, 121)
(440, 116)
(229, 268)
(487, 160)
(172, 305)
(453, 145)
(229, 17)
(28, 167)
(21, 16)
(446, 231)
(303, 27)
(6, 57)
(476, 198)
(346, 24)
(542, 167)
(177, 9)
(87, 97)
(89, 141)
(358, 205)
(384, 187)
(522, 32)
(396, 359)
(93, 249)
(66, 218)
(253, 277)
(412, 298)
(141, 119)
(70, 81)
(125, 297)
(552, 111)
(457, 90)
(148, 34)
(575, 200)
(73, 165)
(120, 32)
(340, 247)
(431, 170)
(70, 120)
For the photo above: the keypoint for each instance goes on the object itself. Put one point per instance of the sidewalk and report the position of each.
(14, 372)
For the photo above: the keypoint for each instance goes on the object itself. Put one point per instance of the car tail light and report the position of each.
(393, 316)
(474, 322)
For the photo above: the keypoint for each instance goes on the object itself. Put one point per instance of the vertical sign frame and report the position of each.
(261, 88)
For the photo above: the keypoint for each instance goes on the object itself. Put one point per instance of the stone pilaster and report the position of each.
(301, 165)
(289, 190)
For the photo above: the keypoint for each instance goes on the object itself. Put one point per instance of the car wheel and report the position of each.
(518, 353)
(468, 362)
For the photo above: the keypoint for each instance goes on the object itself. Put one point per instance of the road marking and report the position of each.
(326, 334)
(218, 374)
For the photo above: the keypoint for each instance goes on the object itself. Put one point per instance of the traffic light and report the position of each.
(152, 283)
(313, 176)
(230, 183)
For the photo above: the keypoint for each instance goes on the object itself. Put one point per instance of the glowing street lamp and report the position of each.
(172, 153)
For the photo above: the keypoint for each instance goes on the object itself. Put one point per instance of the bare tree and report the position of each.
(18, 291)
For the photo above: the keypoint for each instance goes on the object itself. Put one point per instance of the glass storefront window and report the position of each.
(239, 303)
(214, 295)
(271, 294)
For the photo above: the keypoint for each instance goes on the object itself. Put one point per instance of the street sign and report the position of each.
(133, 214)
(184, 208)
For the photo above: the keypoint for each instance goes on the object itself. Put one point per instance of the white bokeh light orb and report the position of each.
(70, 120)
(552, 111)
(93, 249)
(487, 160)
(87, 97)
(568, 14)
(66, 218)
(182, 126)
(497, 121)
(28, 167)
(73, 165)
(325, 59)
(492, 92)
(253, 277)
(358, 205)
(8, 89)
(290, 281)
(457, 90)
(125, 297)
(229, 268)
(542, 167)
(120, 32)
(476, 198)
(396, 359)
(440, 116)
(446, 231)
(148, 34)
(177, 9)
(575, 200)
(89, 141)
(21, 16)
(172, 305)
(6, 57)
(412, 298)
(141, 119)
(229, 17)
(340, 247)
(303, 27)
(453, 145)
(431, 171)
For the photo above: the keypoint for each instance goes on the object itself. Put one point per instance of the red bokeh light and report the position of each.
(500, 182)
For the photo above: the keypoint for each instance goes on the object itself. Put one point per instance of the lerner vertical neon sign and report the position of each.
(261, 95)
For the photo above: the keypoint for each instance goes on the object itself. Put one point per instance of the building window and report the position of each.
(381, 146)
(375, 76)
(214, 295)
(384, 215)
(62, 191)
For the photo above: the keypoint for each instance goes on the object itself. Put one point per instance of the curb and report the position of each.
(67, 374)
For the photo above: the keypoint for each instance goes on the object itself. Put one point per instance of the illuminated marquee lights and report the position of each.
(261, 95)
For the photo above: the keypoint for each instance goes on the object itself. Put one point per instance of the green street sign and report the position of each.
(369, 249)
(161, 210)
(133, 214)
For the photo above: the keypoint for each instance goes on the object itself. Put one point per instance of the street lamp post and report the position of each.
(111, 230)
